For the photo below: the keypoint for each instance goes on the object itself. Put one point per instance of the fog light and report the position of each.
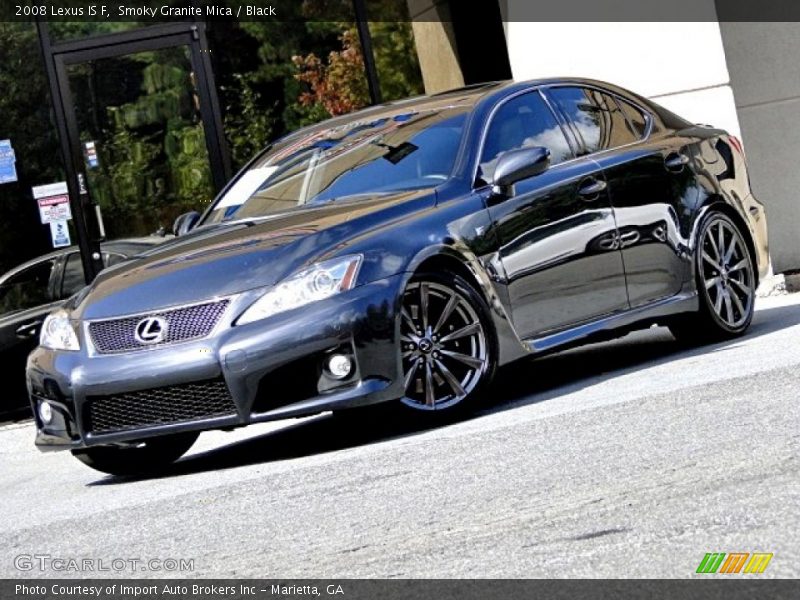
(45, 412)
(339, 366)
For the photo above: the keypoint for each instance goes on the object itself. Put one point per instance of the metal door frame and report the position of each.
(59, 56)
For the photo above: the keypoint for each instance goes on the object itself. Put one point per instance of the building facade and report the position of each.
(143, 122)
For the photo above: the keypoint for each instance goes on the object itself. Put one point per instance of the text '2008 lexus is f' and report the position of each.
(401, 254)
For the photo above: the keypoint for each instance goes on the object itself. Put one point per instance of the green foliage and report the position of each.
(70, 30)
(396, 60)
(275, 77)
(250, 128)
(338, 85)
(256, 77)
(152, 149)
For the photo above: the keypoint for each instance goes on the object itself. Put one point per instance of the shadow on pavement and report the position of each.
(18, 416)
(520, 384)
(540, 379)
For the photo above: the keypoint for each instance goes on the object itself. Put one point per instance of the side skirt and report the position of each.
(649, 313)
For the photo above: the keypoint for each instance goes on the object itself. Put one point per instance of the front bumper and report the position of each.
(267, 370)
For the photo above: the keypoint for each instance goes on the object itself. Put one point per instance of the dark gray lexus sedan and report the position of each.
(400, 254)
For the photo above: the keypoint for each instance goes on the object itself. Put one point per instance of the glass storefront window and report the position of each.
(26, 121)
(137, 115)
(394, 49)
(272, 77)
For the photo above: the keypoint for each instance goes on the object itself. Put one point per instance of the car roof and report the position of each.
(467, 96)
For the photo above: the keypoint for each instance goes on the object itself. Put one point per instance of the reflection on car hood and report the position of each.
(223, 259)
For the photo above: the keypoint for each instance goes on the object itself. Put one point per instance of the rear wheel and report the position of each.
(725, 282)
(447, 344)
(149, 456)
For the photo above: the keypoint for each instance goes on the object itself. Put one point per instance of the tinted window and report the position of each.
(74, 281)
(637, 122)
(73, 276)
(28, 288)
(523, 122)
(598, 121)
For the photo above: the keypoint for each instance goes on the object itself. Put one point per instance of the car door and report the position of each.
(25, 299)
(556, 232)
(651, 187)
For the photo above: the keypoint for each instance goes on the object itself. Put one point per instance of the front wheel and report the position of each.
(149, 456)
(726, 284)
(447, 344)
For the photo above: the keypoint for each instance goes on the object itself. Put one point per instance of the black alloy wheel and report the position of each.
(447, 349)
(726, 284)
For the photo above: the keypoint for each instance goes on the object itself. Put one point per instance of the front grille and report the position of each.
(159, 406)
(183, 324)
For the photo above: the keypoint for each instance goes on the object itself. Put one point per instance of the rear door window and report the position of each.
(597, 120)
(637, 120)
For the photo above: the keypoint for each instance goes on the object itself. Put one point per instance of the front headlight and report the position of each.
(58, 333)
(316, 283)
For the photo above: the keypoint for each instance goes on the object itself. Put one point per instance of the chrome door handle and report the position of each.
(590, 190)
(676, 162)
(29, 329)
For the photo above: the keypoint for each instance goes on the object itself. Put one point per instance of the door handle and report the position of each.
(676, 161)
(591, 188)
(29, 329)
(629, 238)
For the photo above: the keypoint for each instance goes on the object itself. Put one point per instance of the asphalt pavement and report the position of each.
(632, 458)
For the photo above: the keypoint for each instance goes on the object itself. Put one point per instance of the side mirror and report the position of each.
(517, 165)
(185, 222)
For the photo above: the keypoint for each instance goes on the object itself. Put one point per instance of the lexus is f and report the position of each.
(400, 255)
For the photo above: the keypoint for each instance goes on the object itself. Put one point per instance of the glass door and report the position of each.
(142, 139)
(144, 133)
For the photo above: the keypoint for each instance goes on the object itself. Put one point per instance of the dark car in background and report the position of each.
(400, 255)
(27, 294)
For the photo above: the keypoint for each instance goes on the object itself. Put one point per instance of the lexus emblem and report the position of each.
(151, 330)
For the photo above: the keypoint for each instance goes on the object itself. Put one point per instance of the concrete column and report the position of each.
(764, 62)
(436, 46)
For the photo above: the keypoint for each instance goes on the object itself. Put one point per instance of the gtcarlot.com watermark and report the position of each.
(74, 564)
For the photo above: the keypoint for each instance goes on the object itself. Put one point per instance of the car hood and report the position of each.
(225, 259)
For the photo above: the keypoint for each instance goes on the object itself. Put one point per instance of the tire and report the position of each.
(447, 345)
(725, 280)
(151, 456)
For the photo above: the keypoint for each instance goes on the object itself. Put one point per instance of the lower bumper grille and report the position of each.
(159, 406)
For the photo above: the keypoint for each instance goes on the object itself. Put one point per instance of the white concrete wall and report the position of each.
(764, 63)
(679, 65)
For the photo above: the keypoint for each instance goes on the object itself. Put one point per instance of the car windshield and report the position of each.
(408, 150)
